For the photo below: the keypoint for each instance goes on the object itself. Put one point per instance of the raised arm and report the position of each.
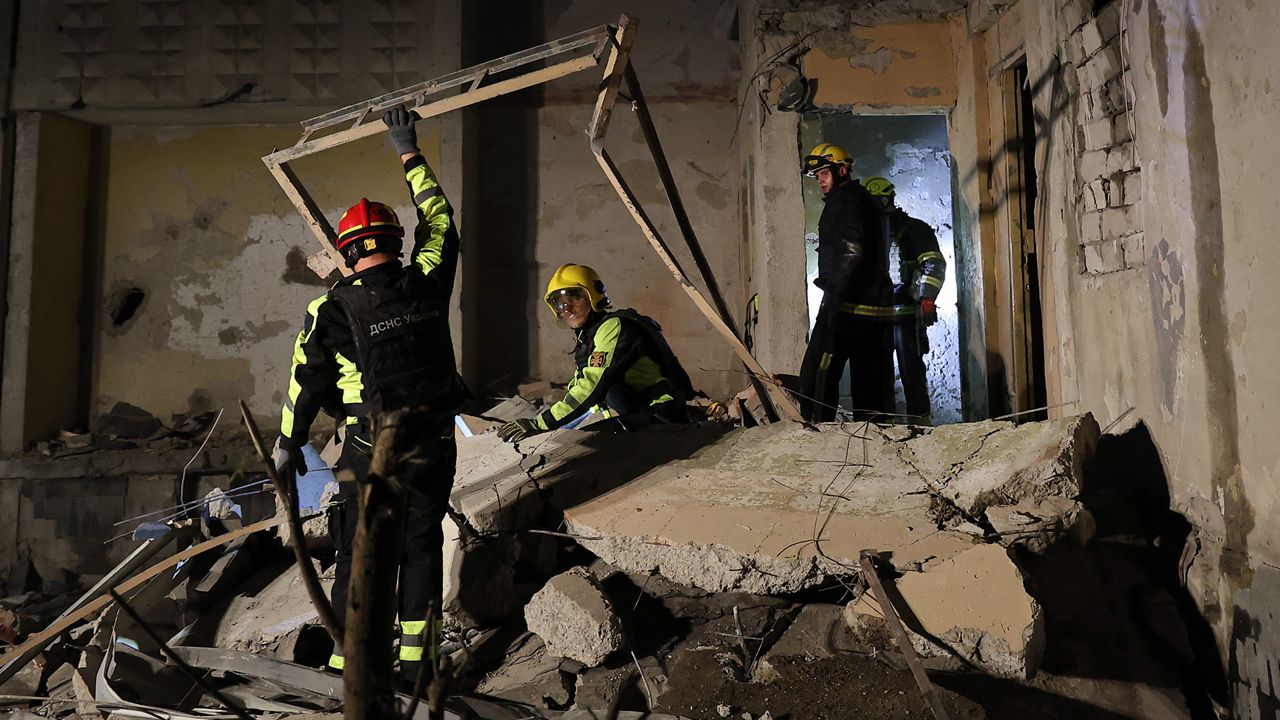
(435, 239)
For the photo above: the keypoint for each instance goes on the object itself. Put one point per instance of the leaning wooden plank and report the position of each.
(42, 638)
(629, 200)
(127, 567)
(614, 68)
(310, 212)
(930, 693)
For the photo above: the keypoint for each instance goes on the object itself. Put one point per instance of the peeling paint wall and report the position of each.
(194, 220)
(886, 66)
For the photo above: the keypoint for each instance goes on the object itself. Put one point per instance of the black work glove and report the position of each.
(928, 313)
(518, 430)
(400, 120)
(288, 459)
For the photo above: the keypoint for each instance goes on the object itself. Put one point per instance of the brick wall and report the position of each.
(1108, 189)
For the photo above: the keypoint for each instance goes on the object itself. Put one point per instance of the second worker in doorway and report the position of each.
(922, 271)
(853, 273)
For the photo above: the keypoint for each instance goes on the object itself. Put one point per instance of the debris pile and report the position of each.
(706, 570)
(126, 427)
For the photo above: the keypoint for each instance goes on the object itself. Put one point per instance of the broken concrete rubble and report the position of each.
(575, 619)
(772, 509)
(778, 509)
(972, 606)
(258, 622)
(530, 674)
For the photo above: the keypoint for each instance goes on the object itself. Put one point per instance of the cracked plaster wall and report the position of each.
(1169, 334)
(195, 221)
(1165, 337)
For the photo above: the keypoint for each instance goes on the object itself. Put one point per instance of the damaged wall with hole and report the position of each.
(195, 223)
(194, 279)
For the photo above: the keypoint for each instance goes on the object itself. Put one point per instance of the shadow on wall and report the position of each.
(1117, 607)
(500, 235)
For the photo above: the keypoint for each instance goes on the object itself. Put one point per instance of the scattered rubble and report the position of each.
(730, 553)
(530, 674)
(575, 619)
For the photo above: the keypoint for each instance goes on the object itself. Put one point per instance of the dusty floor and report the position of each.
(826, 689)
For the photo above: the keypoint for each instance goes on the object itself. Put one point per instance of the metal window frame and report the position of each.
(584, 50)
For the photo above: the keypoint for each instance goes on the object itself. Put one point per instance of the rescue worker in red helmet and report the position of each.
(853, 321)
(379, 340)
(624, 365)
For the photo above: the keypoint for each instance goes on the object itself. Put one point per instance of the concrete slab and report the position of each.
(972, 605)
(782, 508)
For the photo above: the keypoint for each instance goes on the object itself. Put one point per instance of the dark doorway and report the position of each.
(1027, 388)
(913, 153)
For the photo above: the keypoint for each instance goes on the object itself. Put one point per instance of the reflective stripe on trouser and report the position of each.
(337, 662)
(412, 641)
(865, 346)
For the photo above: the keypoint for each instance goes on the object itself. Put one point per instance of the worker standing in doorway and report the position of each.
(379, 340)
(624, 365)
(922, 273)
(853, 320)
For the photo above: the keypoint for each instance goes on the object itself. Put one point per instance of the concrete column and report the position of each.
(17, 326)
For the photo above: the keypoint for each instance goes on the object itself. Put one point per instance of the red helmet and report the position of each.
(372, 222)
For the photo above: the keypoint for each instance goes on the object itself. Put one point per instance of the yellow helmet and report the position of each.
(826, 155)
(878, 186)
(577, 276)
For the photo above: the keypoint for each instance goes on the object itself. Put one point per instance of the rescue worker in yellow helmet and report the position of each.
(923, 270)
(624, 365)
(853, 321)
(379, 340)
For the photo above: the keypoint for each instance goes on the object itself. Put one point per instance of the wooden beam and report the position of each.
(310, 212)
(632, 204)
(439, 107)
(614, 70)
(930, 693)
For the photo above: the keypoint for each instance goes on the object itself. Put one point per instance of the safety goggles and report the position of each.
(562, 300)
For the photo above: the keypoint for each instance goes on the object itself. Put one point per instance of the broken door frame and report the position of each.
(470, 81)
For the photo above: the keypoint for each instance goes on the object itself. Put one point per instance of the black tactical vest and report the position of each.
(653, 344)
(404, 350)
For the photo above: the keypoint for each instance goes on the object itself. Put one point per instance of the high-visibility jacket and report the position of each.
(853, 261)
(624, 364)
(379, 339)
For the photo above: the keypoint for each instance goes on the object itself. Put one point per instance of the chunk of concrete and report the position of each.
(529, 675)
(997, 463)
(258, 622)
(973, 605)
(780, 508)
(574, 617)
